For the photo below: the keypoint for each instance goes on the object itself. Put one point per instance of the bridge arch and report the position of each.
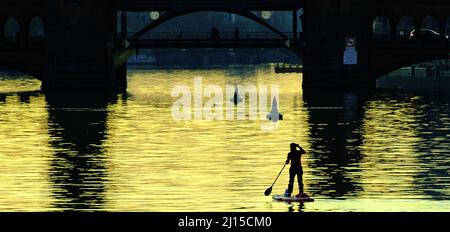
(430, 22)
(405, 26)
(15, 54)
(36, 30)
(401, 60)
(12, 31)
(174, 14)
(436, 64)
(381, 28)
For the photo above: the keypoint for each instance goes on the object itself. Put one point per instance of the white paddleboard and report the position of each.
(279, 197)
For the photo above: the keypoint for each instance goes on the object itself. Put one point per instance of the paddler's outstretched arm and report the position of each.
(288, 159)
(302, 151)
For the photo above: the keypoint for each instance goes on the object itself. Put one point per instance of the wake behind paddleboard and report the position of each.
(278, 197)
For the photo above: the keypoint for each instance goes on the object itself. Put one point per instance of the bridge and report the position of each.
(328, 23)
(25, 53)
(76, 44)
(225, 39)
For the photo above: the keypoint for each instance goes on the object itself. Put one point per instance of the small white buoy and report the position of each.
(274, 114)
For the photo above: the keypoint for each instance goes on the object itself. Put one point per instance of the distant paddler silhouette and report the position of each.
(236, 99)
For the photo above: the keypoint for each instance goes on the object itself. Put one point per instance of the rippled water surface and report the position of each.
(386, 151)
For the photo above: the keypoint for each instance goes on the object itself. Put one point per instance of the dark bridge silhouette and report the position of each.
(76, 45)
(21, 47)
(226, 39)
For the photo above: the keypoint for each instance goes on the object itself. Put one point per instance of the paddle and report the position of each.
(269, 190)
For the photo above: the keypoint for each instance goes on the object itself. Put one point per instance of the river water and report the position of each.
(386, 151)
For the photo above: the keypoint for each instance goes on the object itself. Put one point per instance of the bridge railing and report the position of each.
(206, 35)
(11, 39)
(19, 43)
(411, 44)
(36, 40)
(10, 43)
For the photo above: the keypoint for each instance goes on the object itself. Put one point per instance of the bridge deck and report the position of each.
(165, 5)
(207, 43)
(411, 45)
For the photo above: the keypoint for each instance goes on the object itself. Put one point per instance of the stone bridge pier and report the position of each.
(80, 51)
(380, 47)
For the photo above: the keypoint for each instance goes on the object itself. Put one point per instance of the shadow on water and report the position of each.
(299, 207)
(24, 97)
(430, 123)
(335, 121)
(433, 133)
(77, 126)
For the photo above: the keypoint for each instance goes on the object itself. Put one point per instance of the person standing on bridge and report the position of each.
(294, 157)
(215, 33)
(180, 35)
(236, 33)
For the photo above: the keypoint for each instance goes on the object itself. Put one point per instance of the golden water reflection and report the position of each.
(381, 152)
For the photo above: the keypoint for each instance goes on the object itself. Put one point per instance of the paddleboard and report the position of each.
(279, 197)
